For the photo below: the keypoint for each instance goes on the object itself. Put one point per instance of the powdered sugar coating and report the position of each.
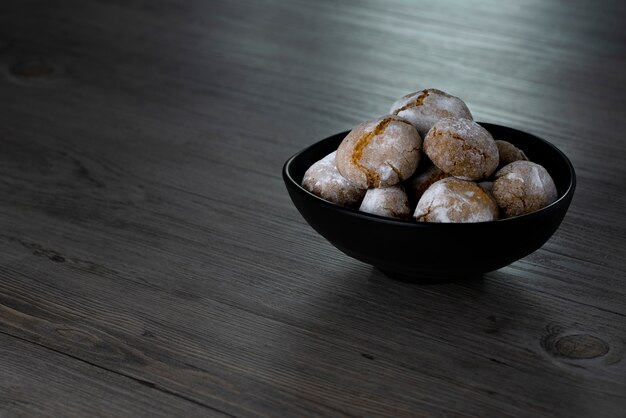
(462, 148)
(425, 107)
(454, 200)
(324, 180)
(522, 187)
(386, 201)
(379, 153)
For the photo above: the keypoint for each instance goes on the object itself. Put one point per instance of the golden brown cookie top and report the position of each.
(455, 200)
(522, 187)
(324, 180)
(379, 153)
(425, 107)
(462, 148)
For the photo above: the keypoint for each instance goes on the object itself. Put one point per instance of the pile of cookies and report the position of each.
(430, 159)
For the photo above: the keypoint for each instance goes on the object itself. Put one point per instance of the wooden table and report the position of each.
(153, 265)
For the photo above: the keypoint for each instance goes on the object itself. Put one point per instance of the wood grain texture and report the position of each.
(37, 381)
(151, 260)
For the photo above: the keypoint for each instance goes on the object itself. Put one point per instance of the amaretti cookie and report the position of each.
(379, 153)
(324, 180)
(424, 108)
(523, 187)
(455, 200)
(387, 201)
(462, 148)
(509, 153)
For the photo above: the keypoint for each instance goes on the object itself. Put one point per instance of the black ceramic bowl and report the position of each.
(434, 251)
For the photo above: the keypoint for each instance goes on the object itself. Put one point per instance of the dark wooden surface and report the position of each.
(153, 265)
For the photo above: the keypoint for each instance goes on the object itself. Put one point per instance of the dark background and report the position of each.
(151, 262)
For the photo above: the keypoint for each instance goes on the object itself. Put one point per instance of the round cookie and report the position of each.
(509, 153)
(386, 201)
(323, 180)
(424, 108)
(462, 148)
(523, 187)
(455, 200)
(379, 153)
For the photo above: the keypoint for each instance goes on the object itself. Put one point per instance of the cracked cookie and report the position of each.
(379, 153)
(462, 148)
(454, 200)
(424, 108)
(386, 201)
(324, 180)
(522, 187)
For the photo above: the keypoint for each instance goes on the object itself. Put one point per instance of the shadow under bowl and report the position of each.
(431, 252)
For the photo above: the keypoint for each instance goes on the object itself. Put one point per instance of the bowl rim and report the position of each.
(414, 224)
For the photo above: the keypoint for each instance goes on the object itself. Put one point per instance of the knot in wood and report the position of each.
(580, 346)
